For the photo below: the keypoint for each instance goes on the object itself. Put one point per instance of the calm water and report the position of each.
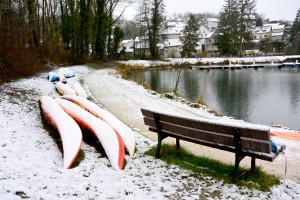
(263, 96)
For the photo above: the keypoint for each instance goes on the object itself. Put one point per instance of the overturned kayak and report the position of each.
(68, 129)
(64, 89)
(79, 90)
(66, 72)
(124, 131)
(62, 78)
(286, 135)
(111, 141)
(52, 77)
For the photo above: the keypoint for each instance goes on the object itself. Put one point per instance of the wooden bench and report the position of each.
(247, 140)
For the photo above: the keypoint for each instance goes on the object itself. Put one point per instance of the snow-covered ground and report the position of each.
(31, 165)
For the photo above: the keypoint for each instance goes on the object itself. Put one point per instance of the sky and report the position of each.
(273, 9)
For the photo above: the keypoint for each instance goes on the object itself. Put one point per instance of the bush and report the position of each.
(147, 85)
(201, 101)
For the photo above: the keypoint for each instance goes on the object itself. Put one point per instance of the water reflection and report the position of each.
(264, 96)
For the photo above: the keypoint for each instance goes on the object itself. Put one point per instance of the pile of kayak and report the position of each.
(73, 112)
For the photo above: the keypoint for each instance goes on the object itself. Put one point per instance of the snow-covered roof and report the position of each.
(278, 26)
(263, 29)
(124, 42)
(172, 42)
(210, 35)
(169, 43)
(277, 34)
(212, 20)
(172, 30)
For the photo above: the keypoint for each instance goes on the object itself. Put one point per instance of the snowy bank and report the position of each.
(32, 165)
(170, 61)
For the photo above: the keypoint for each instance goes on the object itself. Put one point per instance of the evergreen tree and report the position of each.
(235, 25)
(295, 34)
(191, 37)
(118, 35)
(155, 25)
(246, 23)
(227, 35)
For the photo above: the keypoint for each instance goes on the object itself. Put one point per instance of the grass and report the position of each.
(201, 101)
(220, 171)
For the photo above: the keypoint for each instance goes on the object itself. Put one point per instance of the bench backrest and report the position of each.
(209, 133)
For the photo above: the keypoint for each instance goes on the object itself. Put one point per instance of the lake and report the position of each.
(261, 96)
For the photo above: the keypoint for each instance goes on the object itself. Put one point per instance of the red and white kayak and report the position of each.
(111, 141)
(68, 129)
(64, 89)
(124, 131)
(290, 135)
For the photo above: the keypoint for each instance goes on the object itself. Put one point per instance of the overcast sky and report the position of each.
(274, 9)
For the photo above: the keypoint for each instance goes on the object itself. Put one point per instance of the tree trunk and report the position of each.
(32, 21)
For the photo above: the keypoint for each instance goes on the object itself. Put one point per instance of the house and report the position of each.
(170, 48)
(203, 33)
(277, 32)
(138, 46)
(171, 45)
(210, 44)
(262, 32)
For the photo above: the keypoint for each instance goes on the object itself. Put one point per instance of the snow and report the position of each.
(269, 59)
(32, 165)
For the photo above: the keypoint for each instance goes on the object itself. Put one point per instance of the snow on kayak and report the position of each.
(125, 132)
(62, 78)
(68, 129)
(111, 141)
(79, 90)
(64, 89)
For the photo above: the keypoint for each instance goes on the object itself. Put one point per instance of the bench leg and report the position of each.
(158, 146)
(236, 167)
(177, 144)
(252, 164)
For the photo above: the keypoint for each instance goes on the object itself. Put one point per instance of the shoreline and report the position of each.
(121, 97)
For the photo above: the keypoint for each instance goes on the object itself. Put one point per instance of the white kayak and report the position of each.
(68, 129)
(79, 90)
(125, 132)
(64, 89)
(111, 142)
(62, 78)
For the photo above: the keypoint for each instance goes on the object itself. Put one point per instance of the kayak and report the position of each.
(68, 129)
(125, 132)
(111, 141)
(79, 90)
(64, 89)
